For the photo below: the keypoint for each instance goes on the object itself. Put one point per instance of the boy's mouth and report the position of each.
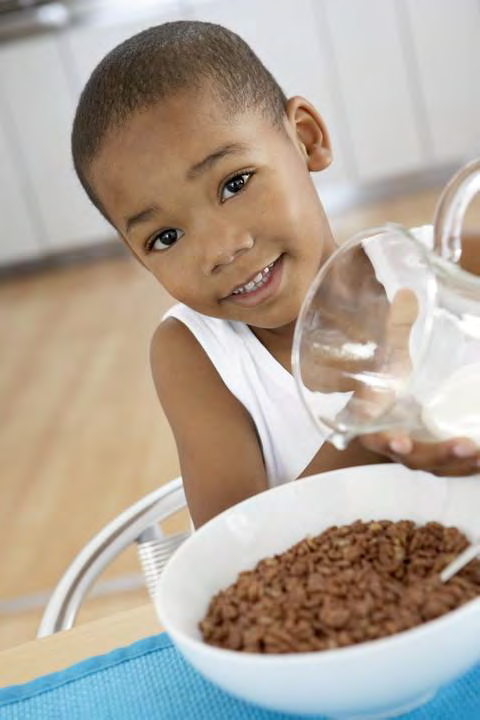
(256, 282)
(260, 286)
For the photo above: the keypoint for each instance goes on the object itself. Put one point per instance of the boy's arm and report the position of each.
(220, 455)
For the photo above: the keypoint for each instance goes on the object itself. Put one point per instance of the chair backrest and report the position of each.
(140, 524)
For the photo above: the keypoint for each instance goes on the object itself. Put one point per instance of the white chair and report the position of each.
(140, 524)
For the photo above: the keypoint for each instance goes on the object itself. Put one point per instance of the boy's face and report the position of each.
(221, 209)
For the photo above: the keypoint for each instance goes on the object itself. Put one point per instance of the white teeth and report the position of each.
(256, 282)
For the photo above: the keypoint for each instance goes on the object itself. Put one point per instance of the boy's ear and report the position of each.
(309, 133)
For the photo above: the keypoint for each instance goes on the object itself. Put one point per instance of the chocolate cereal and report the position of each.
(348, 585)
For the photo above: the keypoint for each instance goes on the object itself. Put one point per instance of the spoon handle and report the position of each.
(470, 553)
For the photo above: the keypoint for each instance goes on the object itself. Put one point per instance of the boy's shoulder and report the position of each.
(170, 337)
(188, 378)
(185, 335)
(190, 339)
(177, 359)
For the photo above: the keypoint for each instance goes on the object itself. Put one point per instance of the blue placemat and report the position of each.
(149, 680)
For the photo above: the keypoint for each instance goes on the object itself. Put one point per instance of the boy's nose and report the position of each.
(223, 248)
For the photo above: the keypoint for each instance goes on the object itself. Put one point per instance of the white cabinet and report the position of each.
(445, 45)
(40, 103)
(376, 96)
(20, 237)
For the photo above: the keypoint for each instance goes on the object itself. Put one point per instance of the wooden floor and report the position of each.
(82, 435)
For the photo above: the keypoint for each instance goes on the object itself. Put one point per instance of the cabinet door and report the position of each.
(287, 35)
(378, 103)
(446, 52)
(20, 236)
(40, 102)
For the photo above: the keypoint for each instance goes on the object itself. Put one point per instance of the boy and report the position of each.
(188, 146)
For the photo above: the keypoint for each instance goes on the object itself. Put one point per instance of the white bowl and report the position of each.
(381, 678)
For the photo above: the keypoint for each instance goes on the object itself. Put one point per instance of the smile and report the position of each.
(256, 282)
(261, 288)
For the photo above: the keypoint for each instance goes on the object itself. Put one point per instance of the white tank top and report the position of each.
(288, 435)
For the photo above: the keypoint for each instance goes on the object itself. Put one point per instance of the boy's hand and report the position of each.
(456, 456)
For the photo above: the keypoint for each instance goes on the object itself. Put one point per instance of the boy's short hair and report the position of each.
(159, 62)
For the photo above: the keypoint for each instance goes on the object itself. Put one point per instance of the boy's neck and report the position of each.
(278, 342)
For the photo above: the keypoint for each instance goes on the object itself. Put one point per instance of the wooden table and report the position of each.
(56, 652)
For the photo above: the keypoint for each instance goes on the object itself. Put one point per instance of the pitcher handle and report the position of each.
(451, 208)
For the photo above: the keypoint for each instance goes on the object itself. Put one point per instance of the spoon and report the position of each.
(470, 553)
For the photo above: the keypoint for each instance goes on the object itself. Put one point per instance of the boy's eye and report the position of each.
(164, 239)
(235, 185)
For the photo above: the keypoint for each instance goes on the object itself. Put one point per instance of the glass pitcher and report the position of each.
(389, 332)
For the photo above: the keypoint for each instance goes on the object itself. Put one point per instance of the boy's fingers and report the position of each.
(453, 457)
(389, 444)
